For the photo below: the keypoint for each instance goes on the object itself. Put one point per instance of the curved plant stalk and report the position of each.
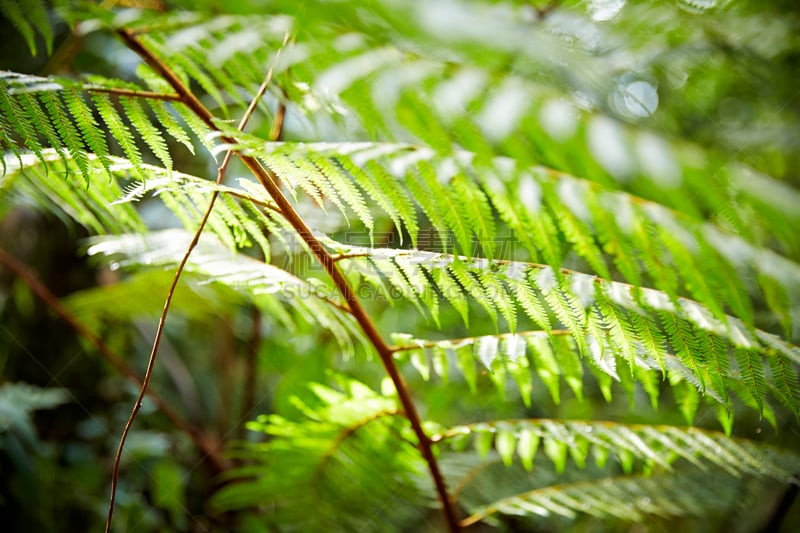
(269, 181)
(121, 91)
(162, 320)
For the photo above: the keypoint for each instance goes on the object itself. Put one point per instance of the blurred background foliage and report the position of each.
(721, 76)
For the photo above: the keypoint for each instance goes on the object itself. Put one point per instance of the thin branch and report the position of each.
(277, 126)
(269, 181)
(342, 257)
(162, 320)
(119, 91)
(542, 12)
(252, 199)
(201, 440)
(782, 509)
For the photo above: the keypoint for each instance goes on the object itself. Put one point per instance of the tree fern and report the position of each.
(527, 186)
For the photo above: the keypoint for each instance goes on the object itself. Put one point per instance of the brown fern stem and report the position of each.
(162, 320)
(269, 181)
(152, 360)
(368, 327)
(119, 91)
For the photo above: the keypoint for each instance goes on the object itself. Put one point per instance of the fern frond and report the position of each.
(564, 306)
(751, 368)
(240, 219)
(604, 320)
(259, 282)
(570, 295)
(669, 457)
(548, 124)
(654, 445)
(14, 114)
(554, 358)
(29, 17)
(648, 250)
(88, 127)
(785, 382)
(170, 124)
(336, 442)
(149, 133)
(551, 214)
(66, 129)
(41, 179)
(58, 113)
(225, 55)
(472, 286)
(628, 498)
(119, 130)
(360, 74)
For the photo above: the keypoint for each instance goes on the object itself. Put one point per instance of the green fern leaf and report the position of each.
(347, 191)
(42, 179)
(119, 131)
(785, 381)
(36, 115)
(197, 126)
(393, 200)
(495, 290)
(452, 292)
(430, 205)
(623, 337)
(652, 339)
(529, 301)
(27, 15)
(685, 344)
(473, 288)
(546, 365)
(480, 218)
(149, 133)
(565, 307)
(88, 127)
(66, 129)
(251, 278)
(751, 369)
(15, 119)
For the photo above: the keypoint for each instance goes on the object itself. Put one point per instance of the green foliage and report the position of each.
(568, 200)
(344, 454)
(18, 401)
